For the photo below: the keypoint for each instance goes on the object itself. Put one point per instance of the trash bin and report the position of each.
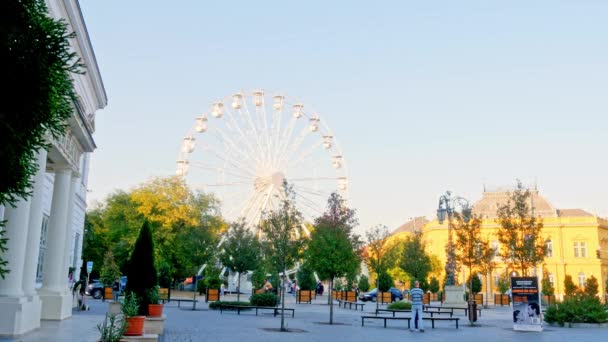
(472, 311)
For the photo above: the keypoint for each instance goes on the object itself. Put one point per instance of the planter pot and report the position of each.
(213, 295)
(548, 300)
(385, 297)
(501, 299)
(155, 310)
(107, 293)
(304, 296)
(135, 325)
(351, 296)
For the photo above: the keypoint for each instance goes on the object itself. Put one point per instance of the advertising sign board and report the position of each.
(526, 304)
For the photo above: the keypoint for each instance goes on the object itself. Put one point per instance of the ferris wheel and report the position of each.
(248, 144)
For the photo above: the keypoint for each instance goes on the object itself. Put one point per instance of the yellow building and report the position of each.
(577, 241)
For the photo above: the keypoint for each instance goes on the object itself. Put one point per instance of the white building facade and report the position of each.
(45, 231)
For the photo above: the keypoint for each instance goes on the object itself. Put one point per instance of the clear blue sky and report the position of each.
(424, 96)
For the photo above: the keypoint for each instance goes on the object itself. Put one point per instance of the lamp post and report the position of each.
(447, 207)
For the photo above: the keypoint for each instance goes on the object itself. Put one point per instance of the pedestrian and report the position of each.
(322, 289)
(416, 294)
(222, 291)
(295, 287)
(116, 289)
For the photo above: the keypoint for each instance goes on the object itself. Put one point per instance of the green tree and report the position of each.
(241, 250)
(332, 249)
(520, 232)
(570, 288)
(141, 274)
(414, 259)
(306, 278)
(474, 282)
(546, 286)
(472, 250)
(38, 65)
(503, 284)
(385, 282)
(363, 283)
(379, 254)
(591, 287)
(434, 285)
(109, 270)
(258, 277)
(281, 229)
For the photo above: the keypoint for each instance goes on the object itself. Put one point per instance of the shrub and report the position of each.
(130, 306)
(385, 282)
(216, 305)
(258, 278)
(569, 288)
(400, 306)
(591, 287)
(153, 297)
(200, 287)
(476, 283)
(306, 278)
(109, 270)
(141, 270)
(503, 284)
(434, 285)
(547, 288)
(577, 309)
(363, 283)
(264, 299)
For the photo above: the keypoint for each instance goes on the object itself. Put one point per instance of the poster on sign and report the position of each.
(526, 304)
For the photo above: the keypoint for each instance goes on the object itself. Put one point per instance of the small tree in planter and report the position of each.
(307, 283)
(110, 272)
(155, 309)
(240, 251)
(570, 288)
(112, 329)
(503, 286)
(258, 278)
(548, 290)
(434, 285)
(385, 282)
(135, 321)
(141, 272)
(363, 283)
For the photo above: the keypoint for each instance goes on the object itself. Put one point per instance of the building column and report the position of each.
(20, 311)
(56, 299)
(69, 232)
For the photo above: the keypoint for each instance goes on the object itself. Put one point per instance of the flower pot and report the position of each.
(107, 293)
(155, 310)
(135, 325)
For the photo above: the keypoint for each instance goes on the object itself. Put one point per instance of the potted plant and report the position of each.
(130, 309)
(112, 329)
(154, 308)
(110, 272)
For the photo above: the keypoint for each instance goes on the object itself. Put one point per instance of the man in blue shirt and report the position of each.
(416, 294)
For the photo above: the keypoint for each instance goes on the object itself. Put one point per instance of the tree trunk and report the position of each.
(331, 301)
(283, 302)
(471, 295)
(238, 288)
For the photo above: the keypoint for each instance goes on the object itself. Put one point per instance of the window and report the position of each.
(495, 248)
(582, 280)
(549, 245)
(580, 249)
(496, 278)
(42, 248)
(551, 279)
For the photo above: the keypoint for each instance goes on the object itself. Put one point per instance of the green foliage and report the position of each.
(130, 305)
(38, 66)
(591, 287)
(212, 278)
(3, 249)
(141, 269)
(201, 287)
(503, 284)
(476, 283)
(414, 259)
(264, 299)
(385, 282)
(332, 249)
(577, 309)
(400, 306)
(306, 278)
(570, 289)
(338, 285)
(152, 295)
(112, 329)
(520, 233)
(216, 305)
(241, 251)
(258, 277)
(379, 256)
(363, 283)
(546, 286)
(472, 250)
(109, 270)
(434, 285)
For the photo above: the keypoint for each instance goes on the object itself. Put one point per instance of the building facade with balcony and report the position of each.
(45, 231)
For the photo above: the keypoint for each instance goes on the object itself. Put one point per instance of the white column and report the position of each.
(33, 237)
(1, 212)
(69, 232)
(16, 231)
(54, 292)
(54, 278)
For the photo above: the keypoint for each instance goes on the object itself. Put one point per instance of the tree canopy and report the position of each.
(414, 259)
(520, 231)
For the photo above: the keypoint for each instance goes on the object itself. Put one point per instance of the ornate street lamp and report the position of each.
(447, 205)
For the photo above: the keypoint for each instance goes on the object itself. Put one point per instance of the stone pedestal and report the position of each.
(114, 308)
(56, 305)
(155, 325)
(19, 315)
(454, 296)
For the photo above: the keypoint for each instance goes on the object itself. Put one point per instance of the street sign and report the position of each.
(89, 266)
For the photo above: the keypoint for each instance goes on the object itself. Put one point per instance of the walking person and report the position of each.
(416, 295)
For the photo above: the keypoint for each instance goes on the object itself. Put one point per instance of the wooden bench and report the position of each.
(466, 311)
(350, 304)
(442, 309)
(433, 319)
(432, 313)
(180, 300)
(239, 308)
(386, 318)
